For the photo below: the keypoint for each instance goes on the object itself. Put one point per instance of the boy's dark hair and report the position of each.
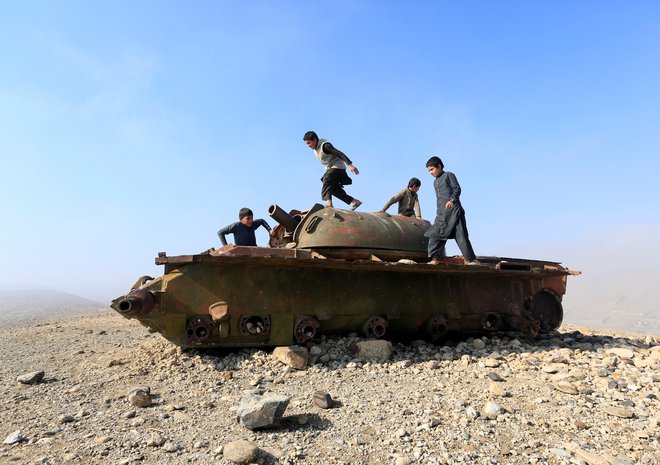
(435, 162)
(243, 212)
(414, 182)
(310, 135)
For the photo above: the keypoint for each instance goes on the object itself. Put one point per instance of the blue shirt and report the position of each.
(242, 234)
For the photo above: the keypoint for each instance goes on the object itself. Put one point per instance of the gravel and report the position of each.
(577, 396)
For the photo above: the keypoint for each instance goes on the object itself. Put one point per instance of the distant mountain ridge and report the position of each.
(42, 304)
(627, 309)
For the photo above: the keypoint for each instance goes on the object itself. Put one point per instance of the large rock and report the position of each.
(293, 356)
(15, 437)
(315, 351)
(140, 397)
(478, 344)
(495, 390)
(323, 400)
(621, 352)
(492, 410)
(262, 409)
(240, 452)
(31, 378)
(589, 457)
(620, 412)
(492, 362)
(566, 387)
(655, 353)
(373, 349)
(156, 439)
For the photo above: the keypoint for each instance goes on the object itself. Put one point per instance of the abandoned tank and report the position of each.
(331, 271)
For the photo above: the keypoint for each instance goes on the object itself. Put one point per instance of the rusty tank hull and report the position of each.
(367, 276)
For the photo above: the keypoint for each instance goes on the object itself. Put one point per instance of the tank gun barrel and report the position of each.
(136, 302)
(287, 221)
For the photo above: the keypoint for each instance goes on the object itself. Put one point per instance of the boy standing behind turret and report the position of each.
(244, 229)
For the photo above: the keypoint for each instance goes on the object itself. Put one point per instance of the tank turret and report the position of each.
(352, 235)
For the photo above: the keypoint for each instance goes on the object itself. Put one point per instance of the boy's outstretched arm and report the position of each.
(262, 222)
(329, 148)
(392, 201)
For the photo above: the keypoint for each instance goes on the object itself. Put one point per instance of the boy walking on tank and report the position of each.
(450, 217)
(335, 178)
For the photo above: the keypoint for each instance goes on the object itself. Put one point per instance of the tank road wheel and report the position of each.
(254, 325)
(491, 321)
(436, 327)
(305, 329)
(375, 327)
(545, 307)
(199, 328)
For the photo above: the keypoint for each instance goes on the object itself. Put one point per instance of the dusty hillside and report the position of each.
(32, 305)
(577, 397)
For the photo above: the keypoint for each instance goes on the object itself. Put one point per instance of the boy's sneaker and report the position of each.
(474, 262)
(355, 203)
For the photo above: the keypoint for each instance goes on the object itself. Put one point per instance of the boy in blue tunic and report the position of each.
(450, 217)
(243, 230)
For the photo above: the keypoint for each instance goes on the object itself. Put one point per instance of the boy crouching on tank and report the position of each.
(407, 199)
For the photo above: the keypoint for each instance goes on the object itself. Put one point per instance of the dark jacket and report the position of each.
(446, 188)
(242, 234)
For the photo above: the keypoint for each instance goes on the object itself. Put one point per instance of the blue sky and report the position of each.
(129, 128)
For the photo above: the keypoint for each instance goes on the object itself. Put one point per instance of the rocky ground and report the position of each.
(577, 397)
